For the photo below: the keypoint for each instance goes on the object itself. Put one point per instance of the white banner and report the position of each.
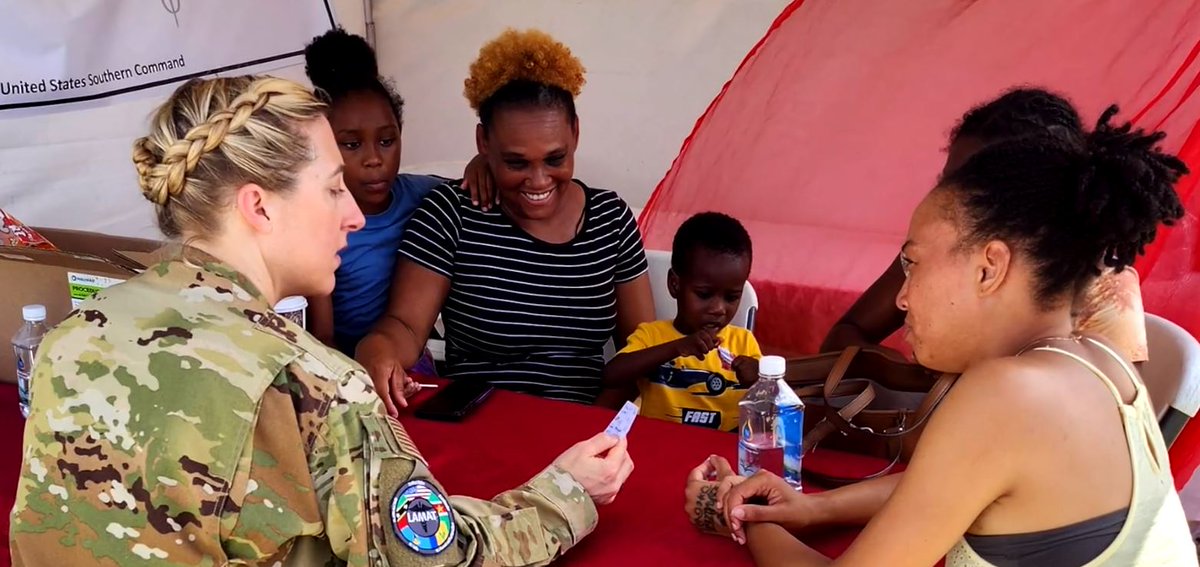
(66, 51)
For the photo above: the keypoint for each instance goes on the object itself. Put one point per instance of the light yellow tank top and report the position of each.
(1155, 533)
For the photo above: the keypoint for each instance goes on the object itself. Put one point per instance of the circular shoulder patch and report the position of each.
(421, 518)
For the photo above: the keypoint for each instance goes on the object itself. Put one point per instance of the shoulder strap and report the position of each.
(1116, 394)
(1117, 357)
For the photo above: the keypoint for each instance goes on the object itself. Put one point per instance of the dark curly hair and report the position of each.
(340, 63)
(716, 232)
(1070, 205)
(1022, 111)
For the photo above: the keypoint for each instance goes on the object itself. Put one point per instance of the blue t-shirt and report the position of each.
(365, 275)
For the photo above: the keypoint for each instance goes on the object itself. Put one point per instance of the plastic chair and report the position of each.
(1172, 373)
(664, 305)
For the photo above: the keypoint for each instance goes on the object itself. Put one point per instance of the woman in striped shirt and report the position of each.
(532, 289)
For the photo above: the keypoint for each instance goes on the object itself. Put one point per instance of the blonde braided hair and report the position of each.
(215, 135)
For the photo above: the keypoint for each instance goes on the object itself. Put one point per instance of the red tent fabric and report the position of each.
(831, 131)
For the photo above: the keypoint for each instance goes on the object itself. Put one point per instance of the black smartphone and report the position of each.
(455, 401)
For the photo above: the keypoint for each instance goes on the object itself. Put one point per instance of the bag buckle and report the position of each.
(898, 428)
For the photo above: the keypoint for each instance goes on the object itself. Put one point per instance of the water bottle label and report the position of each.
(23, 388)
(24, 358)
(748, 461)
(790, 431)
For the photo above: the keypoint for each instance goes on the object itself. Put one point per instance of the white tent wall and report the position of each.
(71, 168)
(653, 67)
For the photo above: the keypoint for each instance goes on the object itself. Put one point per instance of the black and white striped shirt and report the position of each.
(524, 314)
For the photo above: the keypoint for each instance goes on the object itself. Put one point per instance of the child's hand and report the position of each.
(698, 344)
(477, 180)
(745, 368)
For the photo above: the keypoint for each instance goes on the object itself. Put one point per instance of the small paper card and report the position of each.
(621, 424)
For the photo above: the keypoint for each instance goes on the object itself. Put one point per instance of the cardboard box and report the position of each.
(121, 250)
(60, 280)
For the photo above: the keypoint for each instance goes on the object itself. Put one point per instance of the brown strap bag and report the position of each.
(864, 401)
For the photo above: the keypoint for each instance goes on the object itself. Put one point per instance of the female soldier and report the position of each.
(178, 419)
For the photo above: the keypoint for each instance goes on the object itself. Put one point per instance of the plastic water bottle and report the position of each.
(760, 443)
(25, 345)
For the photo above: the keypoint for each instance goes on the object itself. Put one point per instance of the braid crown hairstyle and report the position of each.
(214, 135)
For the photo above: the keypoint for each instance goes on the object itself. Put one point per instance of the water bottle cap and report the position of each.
(34, 313)
(772, 366)
(291, 304)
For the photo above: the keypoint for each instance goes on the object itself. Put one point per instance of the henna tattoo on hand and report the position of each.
(706, 517)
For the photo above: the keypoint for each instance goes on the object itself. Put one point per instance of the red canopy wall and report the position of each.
(832, 129)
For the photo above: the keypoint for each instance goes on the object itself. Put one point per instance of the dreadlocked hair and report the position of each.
(1070, 205)
(1019, 112)
(340, 63)
(711, 231)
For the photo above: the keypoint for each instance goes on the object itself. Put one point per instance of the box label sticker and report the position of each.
(84, 286)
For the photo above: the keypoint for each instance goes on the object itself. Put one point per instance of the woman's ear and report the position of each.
(995, 259)
(253, 204)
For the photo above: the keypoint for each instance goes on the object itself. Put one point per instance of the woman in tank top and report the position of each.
(1047, 451)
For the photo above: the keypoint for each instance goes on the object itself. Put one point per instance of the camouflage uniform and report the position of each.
(178, 420)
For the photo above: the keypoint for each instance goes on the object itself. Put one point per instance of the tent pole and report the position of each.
(369, 19)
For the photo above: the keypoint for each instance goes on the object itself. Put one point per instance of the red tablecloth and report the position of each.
(511, 438)
(13, 427)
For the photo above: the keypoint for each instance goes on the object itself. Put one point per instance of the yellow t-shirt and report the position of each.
(689, 390)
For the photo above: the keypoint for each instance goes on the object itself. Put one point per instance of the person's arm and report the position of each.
(777, 503)
(745, 362)
(635, 302)
(399, 337)
(771, 544)
(60, 513)
(873, 317)
(419, 288)
(626, 367)
(637, 360)
(855, 504)
(376, 461)
(634, 307)
(291, 438)
(952, 478)
(320, 319)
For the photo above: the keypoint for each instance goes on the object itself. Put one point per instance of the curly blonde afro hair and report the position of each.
(530, 55)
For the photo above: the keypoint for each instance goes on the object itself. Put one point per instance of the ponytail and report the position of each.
(1128, 188)
(1070, 205)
